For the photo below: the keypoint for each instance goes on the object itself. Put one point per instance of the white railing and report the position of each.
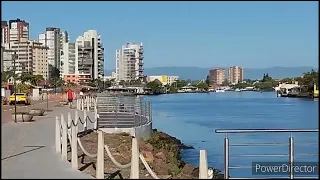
(70, 129)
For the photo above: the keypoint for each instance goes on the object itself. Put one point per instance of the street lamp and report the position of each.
(15, 87)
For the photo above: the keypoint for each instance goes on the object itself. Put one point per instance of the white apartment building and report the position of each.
(14, 30)
(164, 79)
(235, 74)
(6, 59)
(89, 54)
(31, 56)
(54, 38)
(129, 62)
(68, 59)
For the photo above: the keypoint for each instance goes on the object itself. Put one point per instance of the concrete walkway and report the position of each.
(28, 149)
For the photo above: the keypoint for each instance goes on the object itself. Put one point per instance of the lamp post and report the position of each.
(15, 87)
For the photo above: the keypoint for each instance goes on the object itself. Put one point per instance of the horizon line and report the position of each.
(227, 67)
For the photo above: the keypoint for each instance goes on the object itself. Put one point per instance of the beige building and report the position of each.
(235, 74)
(40, 60)
(31, 57)
(217, 76)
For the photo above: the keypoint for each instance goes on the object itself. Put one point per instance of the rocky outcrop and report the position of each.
(161, 151)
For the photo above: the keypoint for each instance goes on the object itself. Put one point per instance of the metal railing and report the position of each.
(291, 149)
(123, 111)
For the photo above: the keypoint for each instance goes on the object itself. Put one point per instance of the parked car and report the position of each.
(21, 98)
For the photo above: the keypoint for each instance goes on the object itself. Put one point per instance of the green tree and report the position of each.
(181, 83)
(309, 79)
(266, 78)
(208, 80)
(203, 86)
(155, 86)
(287, 80)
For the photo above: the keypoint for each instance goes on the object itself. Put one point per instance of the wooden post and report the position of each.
(85, 120)
(100, 156)
(134, 173)
(74, 146)
(203, 165)
(64, 138)
(58, 135)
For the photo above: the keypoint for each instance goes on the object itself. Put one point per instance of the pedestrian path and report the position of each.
(28, 149)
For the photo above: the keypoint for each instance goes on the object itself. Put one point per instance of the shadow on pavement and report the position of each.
(34, 149)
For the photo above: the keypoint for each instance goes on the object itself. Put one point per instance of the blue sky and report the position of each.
(202, 34)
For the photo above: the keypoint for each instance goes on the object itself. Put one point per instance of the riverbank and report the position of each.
(161, 151)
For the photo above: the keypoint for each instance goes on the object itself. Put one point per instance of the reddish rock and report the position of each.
(160, 155)
(146, 147)
(148, 156)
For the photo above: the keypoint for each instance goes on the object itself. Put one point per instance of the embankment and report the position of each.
(161, 151)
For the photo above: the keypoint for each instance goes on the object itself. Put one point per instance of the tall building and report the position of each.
(54, 38)
(68, 59)
(216, 76)
(235, 74)
(89, 55)
(14, 30)
(31, 56)
(40, 59)
(129, 62)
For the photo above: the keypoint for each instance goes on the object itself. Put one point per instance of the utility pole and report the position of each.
(15, 86)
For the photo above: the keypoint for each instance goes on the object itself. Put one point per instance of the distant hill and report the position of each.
(249, 73)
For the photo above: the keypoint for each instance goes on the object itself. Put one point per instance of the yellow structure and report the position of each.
(315, 92)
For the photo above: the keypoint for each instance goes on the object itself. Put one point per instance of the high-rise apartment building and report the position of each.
(40, 59)
(129, 62)
(68, 59)
(89, 55)
(235, 74)
(216, 76)
(54, 38)
(31, 56)
(14, 30)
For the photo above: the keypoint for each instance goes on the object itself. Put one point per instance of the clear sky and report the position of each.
(202, 34)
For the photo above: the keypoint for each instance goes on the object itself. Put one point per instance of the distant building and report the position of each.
(77, 78)
(235, 74)
(6, 59)
(14, 30)
(164, 79)
(129, 62)
(89, 54)
(112, 77)
(31, 57)
(54, 38)
(68, 59)
(216, 76)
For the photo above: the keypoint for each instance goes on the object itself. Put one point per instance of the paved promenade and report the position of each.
(28, 149)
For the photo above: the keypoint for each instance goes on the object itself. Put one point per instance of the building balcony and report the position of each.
(140, 51)
(140, 63)
(140, 57)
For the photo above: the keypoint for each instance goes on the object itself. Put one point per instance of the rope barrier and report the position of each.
(150, 171)
(84, 151)
(122, 166)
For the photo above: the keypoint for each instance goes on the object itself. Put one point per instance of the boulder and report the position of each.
(148, 156)
(36, 112)
(22, 117)
(161, 155)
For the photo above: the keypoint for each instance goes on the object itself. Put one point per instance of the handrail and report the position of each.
(290, 145)
(263, 130)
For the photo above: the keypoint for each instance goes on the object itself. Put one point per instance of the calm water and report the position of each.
(193, 118)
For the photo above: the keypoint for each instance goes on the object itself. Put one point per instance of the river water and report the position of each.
(193, 118)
